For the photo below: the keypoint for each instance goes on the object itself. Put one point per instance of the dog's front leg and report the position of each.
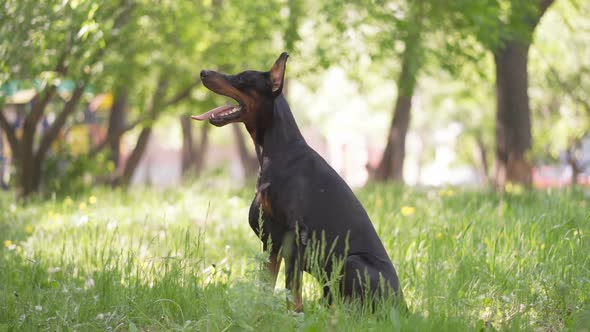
(293, 249)
(273, 265)
(293, 276)
(257, 223)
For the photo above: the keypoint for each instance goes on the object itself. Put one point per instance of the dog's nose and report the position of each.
(204, 73)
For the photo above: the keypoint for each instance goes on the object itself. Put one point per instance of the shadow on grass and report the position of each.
(460, 255)
(93, 283)
(169, 294)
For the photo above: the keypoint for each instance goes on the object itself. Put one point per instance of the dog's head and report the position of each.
(254, 92)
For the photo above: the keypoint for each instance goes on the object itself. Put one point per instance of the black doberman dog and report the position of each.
(300, 200)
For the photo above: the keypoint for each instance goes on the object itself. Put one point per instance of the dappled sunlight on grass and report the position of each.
(187, 259)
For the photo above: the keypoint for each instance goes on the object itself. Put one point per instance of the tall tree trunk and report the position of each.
(482, 155)
(573, 161)
(513, 123)
(156, 104)
(117, 121)
(30, 171)
(188, 150)
(25, 160)
(193, 155)
(202, 149)
(249, 162)
(135, 157)
(513, 119)
(32, 159)
(392, 162)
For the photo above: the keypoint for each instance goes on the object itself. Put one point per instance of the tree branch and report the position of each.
(36, 113)
(150, 115)
(61, 67)
(120, 20)
(53, 131)
(38, 108)
(10, 134)
(123, 17)
(185, 93)
(111, 138)
(568, 89)
(543, 6)
(157, 103)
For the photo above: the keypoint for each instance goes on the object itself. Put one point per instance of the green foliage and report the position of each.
(493, 22)
(64, 39)
(560, 75)
(144, 44)
(136, 44)
(186, 259)
(75, 175)
(153, 51)
(440, 32)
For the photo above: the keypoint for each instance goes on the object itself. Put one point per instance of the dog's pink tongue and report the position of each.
(211, 113)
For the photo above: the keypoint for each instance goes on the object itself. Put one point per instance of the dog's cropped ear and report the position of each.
(277, 74)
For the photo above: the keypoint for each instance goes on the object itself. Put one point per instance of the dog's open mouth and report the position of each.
(221, 115)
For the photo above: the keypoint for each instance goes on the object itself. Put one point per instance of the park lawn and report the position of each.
(186, 259)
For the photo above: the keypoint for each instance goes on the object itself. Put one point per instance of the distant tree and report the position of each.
(506, 29)
(193, 152)
(231, 52)
(65, 40)
(391, 34)
(149, 55)
(402, 39)
(513, 123)
(288, 30)
(448, 34)
(248, 160)
(560, 76)
(391, 166)
(116, 124)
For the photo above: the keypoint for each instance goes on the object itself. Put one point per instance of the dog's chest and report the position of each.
(263, 183)
(263, 198)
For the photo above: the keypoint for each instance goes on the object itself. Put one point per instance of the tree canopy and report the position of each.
(148, 54)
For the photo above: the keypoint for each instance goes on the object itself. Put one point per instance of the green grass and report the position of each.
(186, 259)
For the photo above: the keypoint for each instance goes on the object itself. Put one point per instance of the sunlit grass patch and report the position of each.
(186, 259)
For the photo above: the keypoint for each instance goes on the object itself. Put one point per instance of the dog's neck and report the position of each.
(281, 134)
